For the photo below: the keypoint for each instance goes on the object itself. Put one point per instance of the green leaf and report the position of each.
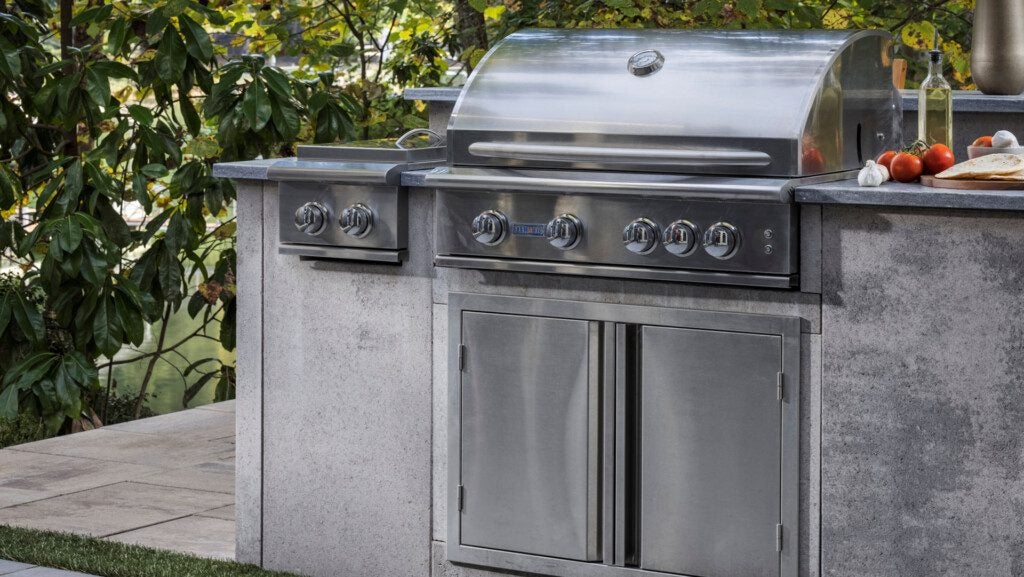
(256, 107)
(116, 36)
(171, 56)
(96, 14)
(6, 299)
(9, 402)
(69, 235)
(106, 328)
(227, 326)
(170, 274)
(9, 189)
(188, 112)
(114, 69)
(478, 5)
(98, 87)
(141, 114)
(278, 83)
(11, 63)
(155, 170)
(197, 40)
(28, 318)
(73, 179)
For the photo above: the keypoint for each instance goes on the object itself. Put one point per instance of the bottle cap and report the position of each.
(935, 55)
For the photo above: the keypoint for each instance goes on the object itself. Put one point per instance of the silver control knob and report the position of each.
(311, 218)
(721, 240)
(356, 220)
(640, 236)
(680, 238)
(564, 231)
(490, 227)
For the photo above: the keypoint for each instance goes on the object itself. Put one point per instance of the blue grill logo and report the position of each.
(525, 229)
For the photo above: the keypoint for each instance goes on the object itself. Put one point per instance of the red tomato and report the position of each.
(937, 158)
(812, 161)
(982, 141)
(906, 167)
(886, 158)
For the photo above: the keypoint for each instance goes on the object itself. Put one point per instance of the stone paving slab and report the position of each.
(112, 509)
(8, 567)
(47, 572)
(206, 536)
(164, 482)
(29, 477)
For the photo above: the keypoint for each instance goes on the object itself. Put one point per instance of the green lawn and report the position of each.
(106, 559)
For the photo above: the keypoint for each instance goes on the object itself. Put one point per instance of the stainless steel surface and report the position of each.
(490, 227)
(528, 436)
(811, 101)
(997, 49)
(641, 236)
(356, 220)
(406, 140)
(629, 272)
(602, 219)
(311, 218)
(367, 173)
(711, 450)
(387, 203)
(722, 240)
(564, 232)
(610, 156)
(622, 334)
(310, 252)
(410, 148)
(645, 62)
(680, 238)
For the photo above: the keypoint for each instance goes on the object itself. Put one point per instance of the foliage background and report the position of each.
(112, 113)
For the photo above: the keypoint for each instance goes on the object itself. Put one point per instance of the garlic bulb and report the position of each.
(873, 174)
(1004, 139)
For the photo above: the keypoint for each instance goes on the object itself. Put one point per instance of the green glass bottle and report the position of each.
(935, 105)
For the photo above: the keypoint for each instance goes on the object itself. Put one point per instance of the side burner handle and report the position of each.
(434, 138)
(619, 155)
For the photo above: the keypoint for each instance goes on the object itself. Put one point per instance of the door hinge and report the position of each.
(462, 357)
(462, 497)
(778, 537)
(780, 385)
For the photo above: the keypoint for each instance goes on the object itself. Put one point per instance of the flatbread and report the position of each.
(984, 167)
(1013, 176)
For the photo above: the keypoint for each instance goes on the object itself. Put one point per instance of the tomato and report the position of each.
(886, 158)
(906, 167)
(982, 141)
(937, 158)
(812, 161)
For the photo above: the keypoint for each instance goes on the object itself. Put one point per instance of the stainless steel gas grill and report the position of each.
(655, 154)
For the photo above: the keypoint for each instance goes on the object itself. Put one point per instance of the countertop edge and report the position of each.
(433, 94)
(896, 195)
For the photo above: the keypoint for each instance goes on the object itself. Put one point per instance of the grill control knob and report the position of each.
(490, 227)
(356, 220)
(311, 218)
(564, 231)
(721, 240)
(640, 236)
(680, 238)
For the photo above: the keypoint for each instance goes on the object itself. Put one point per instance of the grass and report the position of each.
(107, 559)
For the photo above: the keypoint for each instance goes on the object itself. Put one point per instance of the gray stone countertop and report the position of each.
(245, 169)
(909, 195)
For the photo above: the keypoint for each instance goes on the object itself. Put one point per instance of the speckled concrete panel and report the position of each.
(440, 435)
(347, 421)
(922, 395)
(440, 567)
(249, 385)
(810, 456)
(439, 113)
(810, 248)
(661, 294)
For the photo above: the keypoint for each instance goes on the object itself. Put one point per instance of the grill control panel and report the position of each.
(626, 236)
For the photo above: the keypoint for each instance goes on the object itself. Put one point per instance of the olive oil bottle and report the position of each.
(935, 105)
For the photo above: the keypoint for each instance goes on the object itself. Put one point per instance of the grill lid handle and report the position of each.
(619, 155)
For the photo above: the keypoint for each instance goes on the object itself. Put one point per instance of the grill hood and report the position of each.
(767, 103)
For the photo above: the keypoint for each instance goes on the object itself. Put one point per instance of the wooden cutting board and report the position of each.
(972, 184)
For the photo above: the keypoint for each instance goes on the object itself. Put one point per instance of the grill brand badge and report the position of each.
(527, 229)
(645, 63)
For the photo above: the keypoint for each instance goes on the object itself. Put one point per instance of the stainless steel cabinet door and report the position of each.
(528, 451)
(710, 458)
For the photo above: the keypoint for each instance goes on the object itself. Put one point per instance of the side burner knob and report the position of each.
(680, 238)
(564, 231)
(311, 218)
(356, 220)
(721, 240)
(490, 227)
(640, 236)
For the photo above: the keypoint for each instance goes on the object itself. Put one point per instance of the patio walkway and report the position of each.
(166, 482)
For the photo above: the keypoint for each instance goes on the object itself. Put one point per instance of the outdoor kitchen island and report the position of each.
(856, 412)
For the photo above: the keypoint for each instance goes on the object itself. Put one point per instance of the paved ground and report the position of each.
(166, 482)
(12, 569)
